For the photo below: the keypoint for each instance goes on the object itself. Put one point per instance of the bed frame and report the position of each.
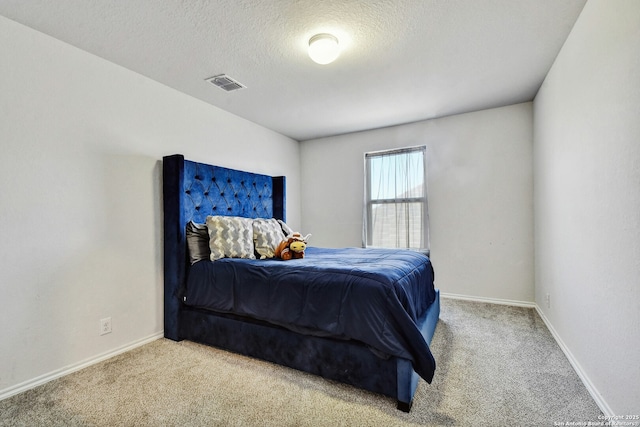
(192, 191)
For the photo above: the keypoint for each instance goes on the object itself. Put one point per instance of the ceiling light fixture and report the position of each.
(323, 48)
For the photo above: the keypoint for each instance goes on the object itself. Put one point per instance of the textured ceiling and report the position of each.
(402, 61)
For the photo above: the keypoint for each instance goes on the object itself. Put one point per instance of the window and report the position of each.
(395, 212)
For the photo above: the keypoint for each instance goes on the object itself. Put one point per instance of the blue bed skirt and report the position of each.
(350, 362)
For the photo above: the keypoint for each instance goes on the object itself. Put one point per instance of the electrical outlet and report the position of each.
(548, 300)
(105, 326)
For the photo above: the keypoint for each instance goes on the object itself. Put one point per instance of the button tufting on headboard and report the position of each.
(208, 189)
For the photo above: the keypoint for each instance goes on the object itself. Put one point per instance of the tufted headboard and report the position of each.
(192, 191)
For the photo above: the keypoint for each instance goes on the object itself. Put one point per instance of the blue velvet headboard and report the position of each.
(192, 191)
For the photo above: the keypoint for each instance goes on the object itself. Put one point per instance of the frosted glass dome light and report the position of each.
(323, 48)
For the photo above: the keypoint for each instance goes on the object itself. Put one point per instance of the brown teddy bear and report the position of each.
(293, 247)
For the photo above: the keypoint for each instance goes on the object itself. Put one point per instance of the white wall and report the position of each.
(80, 184)
(480, 190)
(587, 199)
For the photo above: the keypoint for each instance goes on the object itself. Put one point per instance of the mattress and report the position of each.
(374, 296)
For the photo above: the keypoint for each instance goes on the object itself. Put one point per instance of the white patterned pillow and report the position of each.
(267, 235)
(230, 236)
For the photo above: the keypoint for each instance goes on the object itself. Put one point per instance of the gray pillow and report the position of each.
(267, 235)
(285, 228)
(197, 241)
(230, 237)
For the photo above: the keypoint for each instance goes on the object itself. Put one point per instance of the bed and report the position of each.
(365, 317)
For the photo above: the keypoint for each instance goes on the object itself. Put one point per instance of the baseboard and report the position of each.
(29, 384)
(604, 407)
(489, 300)
(593, 391)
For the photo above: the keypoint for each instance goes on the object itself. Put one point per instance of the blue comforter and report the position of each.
(374, 296)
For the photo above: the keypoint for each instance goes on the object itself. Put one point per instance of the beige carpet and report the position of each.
(497, 366)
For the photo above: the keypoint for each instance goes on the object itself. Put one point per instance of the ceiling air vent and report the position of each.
(225, 82)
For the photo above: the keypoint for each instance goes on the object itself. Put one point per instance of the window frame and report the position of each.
(370, 202)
